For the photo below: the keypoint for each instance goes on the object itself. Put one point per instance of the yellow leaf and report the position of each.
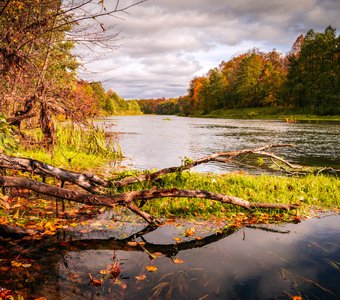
(16, 264)
(198, 238)
(177, 239)
(151, 268)
(140, 277)
(16, 215)
(26, 265)
(73, 224)
(190, 231)
(104, 272)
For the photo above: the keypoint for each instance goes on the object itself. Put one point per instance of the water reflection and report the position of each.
(248, 263)
(152, 142)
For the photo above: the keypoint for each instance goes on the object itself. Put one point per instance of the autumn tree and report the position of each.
(37, 66)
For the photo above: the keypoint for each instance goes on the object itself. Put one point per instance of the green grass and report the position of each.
(76, 148)
(276, 113)
(310, 192)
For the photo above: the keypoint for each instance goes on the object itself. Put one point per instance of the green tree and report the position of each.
(313, 73)
(247, 81)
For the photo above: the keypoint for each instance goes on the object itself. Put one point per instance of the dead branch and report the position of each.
(218, 157)
(91, 182)
(127, 199)
(87, 181)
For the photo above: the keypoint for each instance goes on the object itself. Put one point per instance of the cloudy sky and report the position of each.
(165, 43)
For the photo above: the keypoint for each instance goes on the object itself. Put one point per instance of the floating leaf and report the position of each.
(151, 268)
(177, 239)
(94, 281)
(178, 261)
(104, 272)
(198, 238)
(190, 231)
(140, 277)
(133, 244)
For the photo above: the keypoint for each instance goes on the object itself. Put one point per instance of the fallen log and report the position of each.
(128, 199)
(93, 183)
(87, 181)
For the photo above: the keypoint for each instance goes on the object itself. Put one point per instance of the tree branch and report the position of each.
(128, 198)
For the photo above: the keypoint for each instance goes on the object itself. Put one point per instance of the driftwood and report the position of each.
(95, 186)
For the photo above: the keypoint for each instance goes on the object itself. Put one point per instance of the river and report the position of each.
(150, 142)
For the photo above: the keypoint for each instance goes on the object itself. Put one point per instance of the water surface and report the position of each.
(251, 263)
(162, 141)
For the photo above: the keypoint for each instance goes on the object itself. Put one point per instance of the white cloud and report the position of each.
(167, 42)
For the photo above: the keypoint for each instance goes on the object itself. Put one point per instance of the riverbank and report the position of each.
(267, 113)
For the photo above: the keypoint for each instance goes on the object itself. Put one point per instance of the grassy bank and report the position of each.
(274, 113)
(311, 192)
(76, 148)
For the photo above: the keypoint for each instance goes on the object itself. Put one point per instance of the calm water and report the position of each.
(155, 142)
(299, 259)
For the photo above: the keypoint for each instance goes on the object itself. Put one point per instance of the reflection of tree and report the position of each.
(51, 252)
(167, 249)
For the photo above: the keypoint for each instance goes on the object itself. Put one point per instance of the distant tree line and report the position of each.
(92, 99)
(307, 79)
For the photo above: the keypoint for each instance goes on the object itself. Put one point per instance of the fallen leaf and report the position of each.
(177, 239)
(94, 281)
(178, 261)
(16, 264)
(151, 268)
(198, 238)
(133, 244)
(123, 285)
(26, 265)
(140, 277)
(297, 298)
(104, 272)
(141, 243)
(190, 231)
(74, 276)
(114, 269)
(158, 254)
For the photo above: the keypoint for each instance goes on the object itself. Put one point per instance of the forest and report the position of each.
(306, 79)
